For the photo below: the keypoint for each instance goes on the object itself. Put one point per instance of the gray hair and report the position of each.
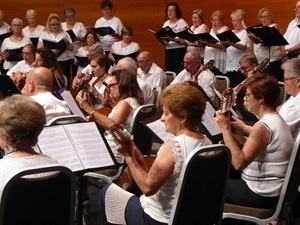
(199, 12)
(17, 21)
(292, 66)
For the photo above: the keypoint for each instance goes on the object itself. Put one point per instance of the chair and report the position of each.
(170, 76)
(287, 196)
(283, 94)
(200, 195)
(65, 119)
(222, 82)
(44, 201)
(157, 92)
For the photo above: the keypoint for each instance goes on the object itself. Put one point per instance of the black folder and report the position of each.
(72, 34)
(131, 55)
(14, 54)
(164, 32)
(269, 36)
(83, 60)
(5, 35)
(189, 35)
(228, 36)
(61, 45)
(34, 41)
(102, 30)
(7, 87)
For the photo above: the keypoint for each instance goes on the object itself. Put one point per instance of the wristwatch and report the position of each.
(91, 113)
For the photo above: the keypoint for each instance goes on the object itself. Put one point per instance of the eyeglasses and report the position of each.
(244, 68)
(186, 63)
(289, 78)
(264, 17)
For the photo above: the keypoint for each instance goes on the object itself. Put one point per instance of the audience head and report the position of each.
(17, 25)
(31, 17)
(173, 10)
(100, 64)
(69, 14)
(144, 60)
(21, 121)
(266, 16)
(28, 53)
(185, 102)
(291, 76)
(128, 64)
(263, 88)
(124, 85)
(248, 62)
(46, 58)
(192, 61)
(53, 24)
(197, 17)
(38, 80)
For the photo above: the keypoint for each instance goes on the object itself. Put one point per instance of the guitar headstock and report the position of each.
(228, 100)
(120, 133)
(208, 65)
(262, 65)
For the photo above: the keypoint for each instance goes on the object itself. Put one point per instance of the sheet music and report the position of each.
(208, 120)
(67, 96)
(78, 146)
(158, 127)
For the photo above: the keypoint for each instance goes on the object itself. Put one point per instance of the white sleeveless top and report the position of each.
(266, 173)
(159, 205)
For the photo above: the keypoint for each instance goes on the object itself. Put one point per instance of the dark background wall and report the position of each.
(141, 14)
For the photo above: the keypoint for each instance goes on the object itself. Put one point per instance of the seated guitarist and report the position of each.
(196, 72)
(18, 72)
(183, 107)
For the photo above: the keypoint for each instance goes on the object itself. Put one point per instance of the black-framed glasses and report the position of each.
(247, 94)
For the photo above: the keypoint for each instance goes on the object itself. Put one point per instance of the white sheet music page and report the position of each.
(67, 96)
(78, 146)
(89, 145)
(209, 121)
(158, 127)
(54, 141)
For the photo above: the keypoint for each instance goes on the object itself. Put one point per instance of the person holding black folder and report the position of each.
(238, 43)
(261, 51)
(58, 41)
(124, 48)
(77, 31)
(108, 20)
(292, 35)
(174, 49)
(13, 45)
(216, 51)
(198, 27)
(33, 30)
(4, 33)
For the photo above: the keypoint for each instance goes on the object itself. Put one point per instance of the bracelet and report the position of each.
(91, 113)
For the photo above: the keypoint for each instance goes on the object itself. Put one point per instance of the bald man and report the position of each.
(129, 64)
(39, 84)
(194, 71)
(149, 71)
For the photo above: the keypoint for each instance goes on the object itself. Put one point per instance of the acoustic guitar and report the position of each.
(126, 180)
(19, 79)
(228, 100)
(206, 66)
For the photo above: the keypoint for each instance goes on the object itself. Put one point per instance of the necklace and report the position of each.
(10, 151)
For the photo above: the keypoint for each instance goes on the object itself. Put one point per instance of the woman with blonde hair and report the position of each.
(54, 32)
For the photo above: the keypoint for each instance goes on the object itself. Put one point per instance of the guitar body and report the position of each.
(126, 180)
(19, 79)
